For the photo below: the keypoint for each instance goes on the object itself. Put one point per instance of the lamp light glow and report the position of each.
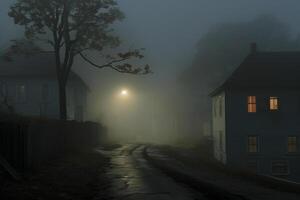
(124, 92)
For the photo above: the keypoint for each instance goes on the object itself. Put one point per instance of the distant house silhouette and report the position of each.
(29, 83)
(256, 115)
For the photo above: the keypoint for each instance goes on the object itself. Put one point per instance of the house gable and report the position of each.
(265, 69)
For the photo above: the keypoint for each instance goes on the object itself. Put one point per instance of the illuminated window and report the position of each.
(251, 104)
(280, 167)
(252, 144)
(292, 144)
(274, 103)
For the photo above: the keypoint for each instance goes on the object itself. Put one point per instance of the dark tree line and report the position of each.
(224, 46)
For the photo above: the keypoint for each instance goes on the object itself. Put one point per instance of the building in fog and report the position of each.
(256, 115)
(29, 86)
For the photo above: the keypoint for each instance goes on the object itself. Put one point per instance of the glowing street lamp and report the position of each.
(124, 93)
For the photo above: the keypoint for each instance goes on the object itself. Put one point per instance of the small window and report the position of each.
(21, 93)
(252, 144)
(292, 144)
(274, 103)
(251, 104)
(280, 167)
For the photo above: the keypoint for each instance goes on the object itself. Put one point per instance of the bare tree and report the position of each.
(72, 28)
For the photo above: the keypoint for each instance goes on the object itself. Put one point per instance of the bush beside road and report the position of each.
(77, 176)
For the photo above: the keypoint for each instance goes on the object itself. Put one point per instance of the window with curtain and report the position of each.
(252, 104)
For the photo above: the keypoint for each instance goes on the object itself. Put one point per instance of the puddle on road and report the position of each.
(133, 178)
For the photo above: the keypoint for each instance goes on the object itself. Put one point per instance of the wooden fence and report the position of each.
(26, 145)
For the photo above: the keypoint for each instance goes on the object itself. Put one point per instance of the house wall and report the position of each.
(272, 129)
(219, 128)
(40, 97)
(32, 102)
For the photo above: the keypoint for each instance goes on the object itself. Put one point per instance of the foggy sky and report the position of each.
(169, 30)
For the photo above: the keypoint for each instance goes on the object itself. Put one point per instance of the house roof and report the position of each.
(265, 69)
(38, 65)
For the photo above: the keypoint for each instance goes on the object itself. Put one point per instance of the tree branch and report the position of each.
(125, 68)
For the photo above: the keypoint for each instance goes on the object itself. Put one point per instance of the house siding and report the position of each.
(271, 128)
(34, 103)
(219, 127)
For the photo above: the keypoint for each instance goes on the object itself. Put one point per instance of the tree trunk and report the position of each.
(62, 101)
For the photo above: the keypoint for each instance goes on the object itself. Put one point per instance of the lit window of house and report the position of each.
(252, 144)
(280, 167)
(21, 93)
(274, 103)
(292, 144)
(251, 104)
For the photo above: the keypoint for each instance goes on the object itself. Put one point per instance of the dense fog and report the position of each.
(191, 46)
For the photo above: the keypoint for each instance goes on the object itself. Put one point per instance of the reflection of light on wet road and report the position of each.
(133, 178)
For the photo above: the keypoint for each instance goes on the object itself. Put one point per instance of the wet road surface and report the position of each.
(134, 178)
(143, 172)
